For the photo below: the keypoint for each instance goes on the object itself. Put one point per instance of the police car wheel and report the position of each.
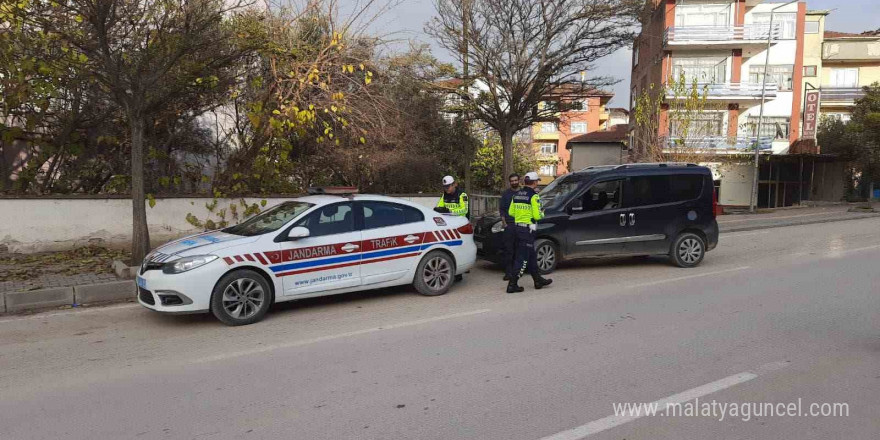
(688, 250)
(547, 255)
(240, 298)
(434, 274)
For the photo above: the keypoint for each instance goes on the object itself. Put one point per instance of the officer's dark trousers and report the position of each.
(509, 258)
(526, 258)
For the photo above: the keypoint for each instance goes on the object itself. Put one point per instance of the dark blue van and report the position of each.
(620, 210)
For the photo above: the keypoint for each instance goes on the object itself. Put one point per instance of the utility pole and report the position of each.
(469, 148)
(753, 204)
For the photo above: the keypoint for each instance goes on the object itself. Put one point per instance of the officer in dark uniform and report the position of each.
(509, 234)
(526, 211)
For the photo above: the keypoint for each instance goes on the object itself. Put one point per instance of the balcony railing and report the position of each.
(730, 90)
(750, 32)
(717, 143)
(842, 93)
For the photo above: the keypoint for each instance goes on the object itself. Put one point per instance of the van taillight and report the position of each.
(716, 210)
(466, 229)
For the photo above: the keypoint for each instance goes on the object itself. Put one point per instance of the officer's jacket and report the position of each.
(526, 206)
(456, 203)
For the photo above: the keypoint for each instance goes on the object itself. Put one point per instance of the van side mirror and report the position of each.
(297, 233)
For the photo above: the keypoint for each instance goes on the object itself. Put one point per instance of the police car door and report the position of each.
(391, 240)
(328, 259)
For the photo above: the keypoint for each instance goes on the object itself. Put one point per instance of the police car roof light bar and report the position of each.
(342, 191)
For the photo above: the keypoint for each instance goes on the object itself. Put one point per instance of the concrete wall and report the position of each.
(736, 184)
(37, 225)
(592, 154)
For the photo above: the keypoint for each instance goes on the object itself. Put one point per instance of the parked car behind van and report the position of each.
(620, 210)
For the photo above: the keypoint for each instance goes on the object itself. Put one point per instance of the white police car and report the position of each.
(311, 246)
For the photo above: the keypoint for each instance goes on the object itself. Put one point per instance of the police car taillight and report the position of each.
(466, 229)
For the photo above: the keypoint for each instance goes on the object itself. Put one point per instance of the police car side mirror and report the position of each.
(297, 233)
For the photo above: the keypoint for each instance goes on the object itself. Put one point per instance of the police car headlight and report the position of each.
(498, 227)
(187, 263)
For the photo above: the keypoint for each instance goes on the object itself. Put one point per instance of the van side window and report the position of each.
(655, 190)
(602, 196)
(686, 187)
(647, 190)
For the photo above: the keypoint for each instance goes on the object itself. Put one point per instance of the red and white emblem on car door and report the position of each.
(410, 239)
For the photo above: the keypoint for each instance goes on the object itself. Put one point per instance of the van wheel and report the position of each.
(240, 298)
(435, 274)
(688, 250)
(547, 255)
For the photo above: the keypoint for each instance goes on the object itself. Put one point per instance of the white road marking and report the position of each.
(612, 421)
(74, 311)
(699, 275)
(866, 248)
(225, 356)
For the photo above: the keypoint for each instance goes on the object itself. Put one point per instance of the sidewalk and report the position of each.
(792, 217)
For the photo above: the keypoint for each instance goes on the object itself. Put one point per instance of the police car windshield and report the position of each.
(270, 220)
(558, 191)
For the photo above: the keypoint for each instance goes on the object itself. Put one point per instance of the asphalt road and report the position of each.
(774, 316)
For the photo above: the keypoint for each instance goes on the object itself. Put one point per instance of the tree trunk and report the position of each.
(140, 235)
(507, 149)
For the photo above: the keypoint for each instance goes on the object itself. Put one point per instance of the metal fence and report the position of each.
(482, 204)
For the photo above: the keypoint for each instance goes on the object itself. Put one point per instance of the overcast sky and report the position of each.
(407, 20)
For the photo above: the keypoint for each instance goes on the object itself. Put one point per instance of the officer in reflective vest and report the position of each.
(526, 211)
(453, 200)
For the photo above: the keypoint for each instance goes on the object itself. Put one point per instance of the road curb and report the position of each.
(795, 223)
(38, 299)
(113, 291)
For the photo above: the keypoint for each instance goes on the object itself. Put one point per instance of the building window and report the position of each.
(785, 22)
(698, 126)
(775, 127)
(811, 27)
(579, 105)
(551, 106)
(635, 56)
(548, 127)
(842, 117)
(578, 127)
(781, 75)
(848, 77)
(704, 70)
(547, 148)
(810, 71)
(702, 15)
(548, 170)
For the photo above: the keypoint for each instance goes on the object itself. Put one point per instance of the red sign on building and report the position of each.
(811, 114)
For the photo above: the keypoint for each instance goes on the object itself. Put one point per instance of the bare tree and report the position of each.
(147, 56)
(520, 51)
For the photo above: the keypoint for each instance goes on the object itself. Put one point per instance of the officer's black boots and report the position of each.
(506, 277)
(541, 282)
(512, 287)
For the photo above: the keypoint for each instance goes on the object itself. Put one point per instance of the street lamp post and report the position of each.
(753, 204)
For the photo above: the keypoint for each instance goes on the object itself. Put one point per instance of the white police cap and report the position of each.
(448, 180)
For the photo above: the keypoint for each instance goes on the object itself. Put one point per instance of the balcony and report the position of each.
(730, 91)
(720, 37)
(716, 143)
(844, 96)
(547, 157)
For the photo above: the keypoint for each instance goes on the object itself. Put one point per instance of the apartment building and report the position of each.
(849, 62)
(578, 112)
(722, 45)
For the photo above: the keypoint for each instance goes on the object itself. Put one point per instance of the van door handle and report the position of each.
(632, 219)
(622, 219)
